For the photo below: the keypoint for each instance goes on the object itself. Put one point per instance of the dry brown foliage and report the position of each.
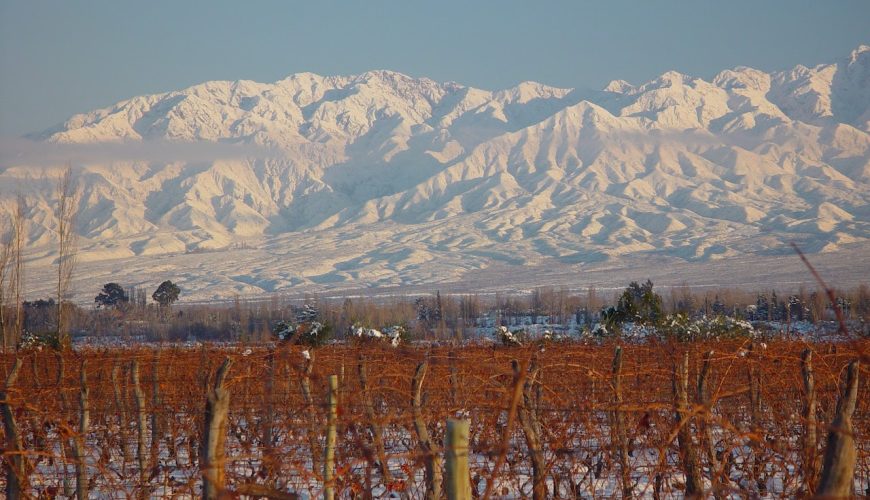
(758, 451)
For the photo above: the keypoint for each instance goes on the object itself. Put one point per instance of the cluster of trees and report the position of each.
(813, 306)
(637, 304)
(640, 305)
(113, 295)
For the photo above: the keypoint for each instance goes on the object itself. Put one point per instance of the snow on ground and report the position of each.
(280, 269)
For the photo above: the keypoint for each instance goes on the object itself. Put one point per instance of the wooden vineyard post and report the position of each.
(268, 439)
(15, 463)
(141, 427)
(305, 383)
(838, 469)
(810, 444)
(66, 443)
(456, 458)
(688, 453)
(79, 441)
(527, 412)
(618, 437)
(704, 398)
(374, 427)
(427, 447)
(331, 437)
(212, 456)
(156, 413)
(454, 379)
(757, 464)
(267, 424)
(121, 408)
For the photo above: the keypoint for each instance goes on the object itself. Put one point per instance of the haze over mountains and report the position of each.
(383, 179)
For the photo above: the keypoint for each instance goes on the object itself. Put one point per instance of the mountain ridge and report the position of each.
(677, 166)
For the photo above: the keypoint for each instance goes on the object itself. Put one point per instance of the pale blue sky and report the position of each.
(58, 58)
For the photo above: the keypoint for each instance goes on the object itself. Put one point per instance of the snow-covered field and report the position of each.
(287, 267)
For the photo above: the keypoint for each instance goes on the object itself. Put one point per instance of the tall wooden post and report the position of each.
(811, 443)
(838, 471)
(269, 420)
(374, 426)
(531, 426)
(688, 452)
(66, 443)
(80, 440)
(141, 428)
(758, 460)
(212, 457)
(618, 438)
(121, 408)
(708, 445)
(427, 447)
(156, 412)
(331, 437)
(313, 417)
(456, 458)
(16, 463)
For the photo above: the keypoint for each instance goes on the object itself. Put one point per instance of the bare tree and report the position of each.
(6, 241)
(67, 201)
(16, 262)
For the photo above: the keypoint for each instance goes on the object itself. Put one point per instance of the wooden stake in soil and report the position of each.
(708, 444)
(688, 452)
(15, 464)
(305, 383)
(268, 423)
(618, 436)
(121, 408)
(838, 471)
(212, 457)
(527, 413)
(427, 447)
(80, 439)
(66, 444)
(456, 458)
(269, 396)
(156, 413)
(141, 428)
(374, 426)
(758, 459)
(331, 437)
(454, 379)
(811, 443)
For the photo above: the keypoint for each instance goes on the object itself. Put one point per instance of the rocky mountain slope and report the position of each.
(384, 179)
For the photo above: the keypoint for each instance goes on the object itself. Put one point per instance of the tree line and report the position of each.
(126, 314)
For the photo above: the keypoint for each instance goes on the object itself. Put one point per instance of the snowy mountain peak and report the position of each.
(618, 86)
(859, 52)
(743, 77)
(383, 178)
(529, 91)
(667, 79)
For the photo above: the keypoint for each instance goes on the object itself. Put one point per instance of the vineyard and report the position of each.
(562, 420)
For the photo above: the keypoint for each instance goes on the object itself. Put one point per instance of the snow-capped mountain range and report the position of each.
(385, 179)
